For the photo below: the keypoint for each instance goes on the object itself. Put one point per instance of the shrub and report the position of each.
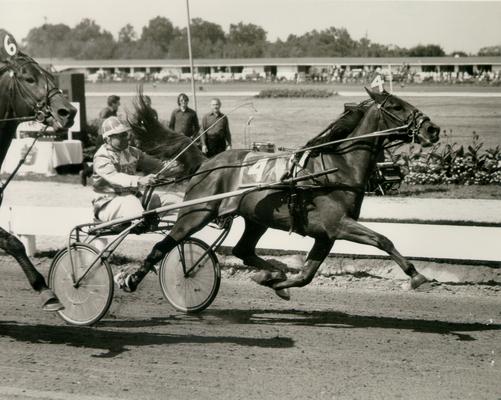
(451, 164)
(287, 92)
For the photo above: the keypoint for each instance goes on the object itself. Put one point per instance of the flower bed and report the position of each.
(451, 164)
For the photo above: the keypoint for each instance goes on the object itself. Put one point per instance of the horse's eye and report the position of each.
(30, 79)
(397, 107)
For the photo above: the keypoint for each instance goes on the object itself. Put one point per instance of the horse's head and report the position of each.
(28, 90)
(33, 92)
(397, 112)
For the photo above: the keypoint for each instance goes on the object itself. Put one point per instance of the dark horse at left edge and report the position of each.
(327, 208)
(27, 92)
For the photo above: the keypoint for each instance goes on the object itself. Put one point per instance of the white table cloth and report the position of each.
(43, 158)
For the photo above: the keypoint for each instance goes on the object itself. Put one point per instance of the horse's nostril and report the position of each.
(63, 112)
(433, 129)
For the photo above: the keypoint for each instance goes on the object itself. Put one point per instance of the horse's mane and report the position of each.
(341, 127)
(159, 141)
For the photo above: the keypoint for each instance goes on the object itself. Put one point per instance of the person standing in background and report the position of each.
(183, 119)
(111, 109)
(217, 137)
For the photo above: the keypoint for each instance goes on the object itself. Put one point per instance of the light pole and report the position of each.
(191, 57)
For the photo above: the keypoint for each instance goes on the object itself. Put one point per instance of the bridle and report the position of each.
(40, 107)
(407, 129)
(412, 123)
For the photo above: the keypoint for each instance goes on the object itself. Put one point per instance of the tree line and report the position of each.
(160, 39)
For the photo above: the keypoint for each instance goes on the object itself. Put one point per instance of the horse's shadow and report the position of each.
(336, 320)
(114, 343)
(324, 319)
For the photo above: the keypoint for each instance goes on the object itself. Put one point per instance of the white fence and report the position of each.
(418, 239)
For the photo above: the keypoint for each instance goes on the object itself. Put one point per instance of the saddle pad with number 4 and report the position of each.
(259, 168)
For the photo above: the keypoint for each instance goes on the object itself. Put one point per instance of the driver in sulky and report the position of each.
(117, 184)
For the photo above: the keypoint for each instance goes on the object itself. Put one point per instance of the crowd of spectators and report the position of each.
(458, 77)
(403, 74)
(334, 74)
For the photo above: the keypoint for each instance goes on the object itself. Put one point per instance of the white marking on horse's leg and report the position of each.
(30, 244)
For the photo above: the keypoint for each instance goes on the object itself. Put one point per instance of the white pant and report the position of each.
(130, 206)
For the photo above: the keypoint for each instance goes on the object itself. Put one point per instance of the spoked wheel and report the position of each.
(89, 301)
(190, 276)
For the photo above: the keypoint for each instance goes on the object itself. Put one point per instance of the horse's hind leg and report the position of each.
(15, 248)
(315, 257)
(187, 224)
(353, 231)
(245, 249)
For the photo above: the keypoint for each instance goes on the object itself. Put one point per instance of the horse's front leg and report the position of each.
(353, 231)
(13, 246)
(316, 256)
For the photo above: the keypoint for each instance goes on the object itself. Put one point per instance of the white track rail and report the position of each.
(450, 238)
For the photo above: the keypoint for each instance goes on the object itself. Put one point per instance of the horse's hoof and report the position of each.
(50, 302)
(125, 282)
(261, 277)
(268, 278)
(417, 280)
(283, 294)
(53, 305)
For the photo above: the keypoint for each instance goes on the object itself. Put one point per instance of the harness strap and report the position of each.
(19, 119)
(20, 163)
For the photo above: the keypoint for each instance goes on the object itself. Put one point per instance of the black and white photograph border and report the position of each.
(282, 199)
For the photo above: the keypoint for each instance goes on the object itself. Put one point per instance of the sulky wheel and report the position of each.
(190, 276)
(89, 301)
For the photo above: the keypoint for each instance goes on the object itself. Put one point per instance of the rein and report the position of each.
(386, 132)
(408, 128)
(20, 119)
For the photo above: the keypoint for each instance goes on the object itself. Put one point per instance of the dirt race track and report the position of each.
(341, 338)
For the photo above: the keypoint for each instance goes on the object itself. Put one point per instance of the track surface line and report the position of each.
(20, 393)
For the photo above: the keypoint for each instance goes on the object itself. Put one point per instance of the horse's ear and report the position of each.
(377, 97)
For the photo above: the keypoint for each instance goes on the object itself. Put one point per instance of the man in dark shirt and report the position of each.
(183, 119)
(218, 137)
(112, 108)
